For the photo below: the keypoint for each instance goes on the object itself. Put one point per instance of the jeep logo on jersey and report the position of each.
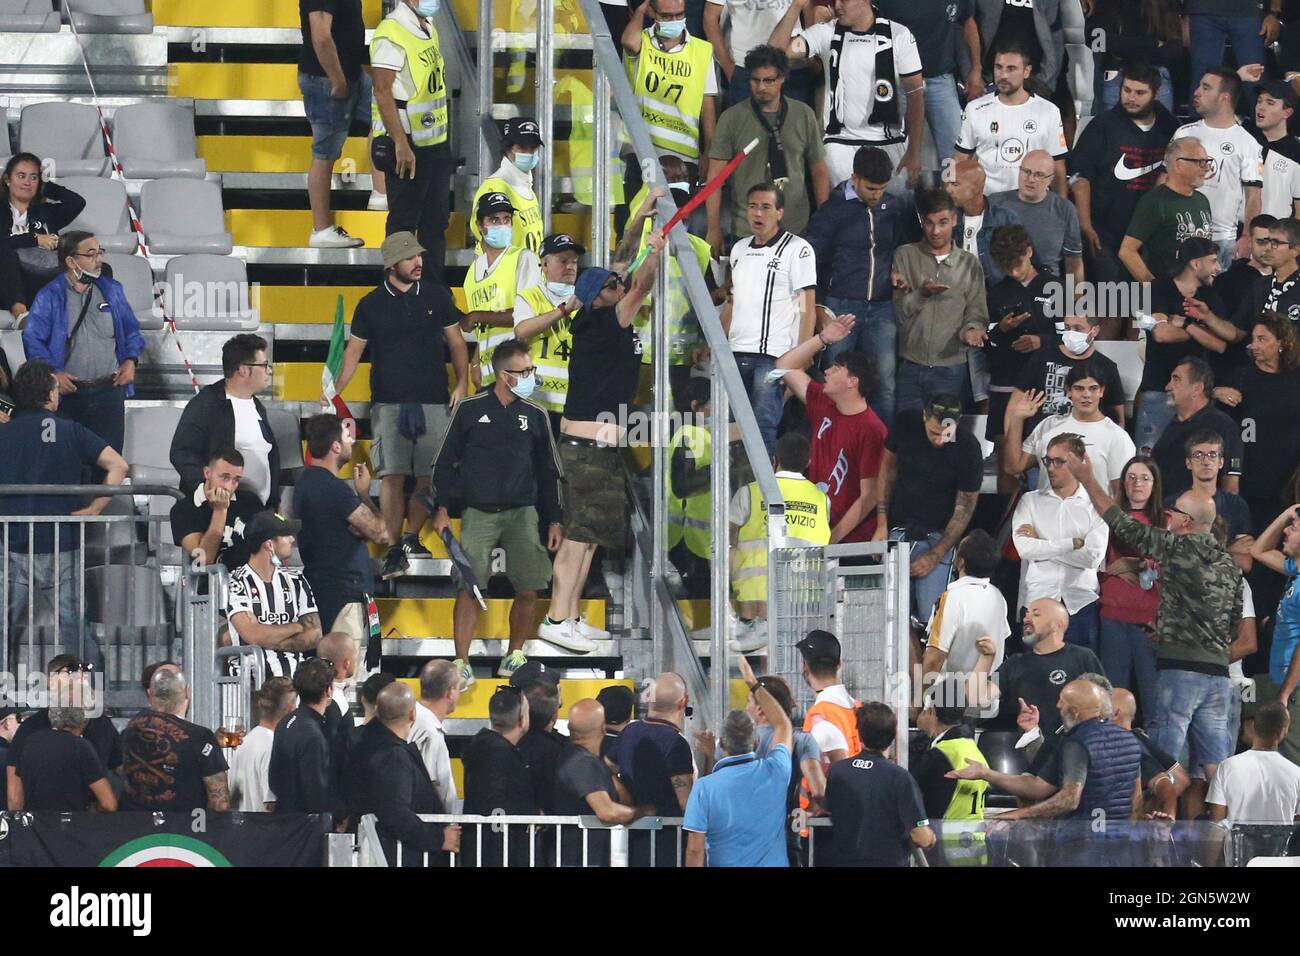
(1012, 151)
(884, 91)
(1031, 126)
(1057, 677)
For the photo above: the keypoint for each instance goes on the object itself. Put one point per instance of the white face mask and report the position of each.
(1076, 343)
(84, 276)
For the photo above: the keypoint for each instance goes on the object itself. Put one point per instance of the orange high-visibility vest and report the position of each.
(845, 718)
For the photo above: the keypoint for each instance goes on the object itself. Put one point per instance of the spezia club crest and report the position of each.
(884, 91)
(1030, 126)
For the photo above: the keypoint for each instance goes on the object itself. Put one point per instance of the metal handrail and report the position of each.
(95, 491)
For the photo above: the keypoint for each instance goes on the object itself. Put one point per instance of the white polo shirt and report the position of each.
(250, 771)
(1050, 565)
(1258, 786)
(766, 283)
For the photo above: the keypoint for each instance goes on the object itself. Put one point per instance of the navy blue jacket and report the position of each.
(1114, 757)
(843, 230)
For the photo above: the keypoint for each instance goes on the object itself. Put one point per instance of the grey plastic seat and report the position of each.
(28, 16)
(124, 596)
(183, 216)
(137, 281)
(156, 140)
(105, 214)
(207, 293)
(148, 443)
(286, 427)
(6, 320)
(66, 133)
(109, 16)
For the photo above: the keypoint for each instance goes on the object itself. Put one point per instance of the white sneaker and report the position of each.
(378, 202)
(565, 634)
(751, 638)
(334, 237)
(590, 632)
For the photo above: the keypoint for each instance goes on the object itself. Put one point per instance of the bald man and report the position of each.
(964, 180)
(1197, 622)
(584, 785)
(1050, 219)
(1163, 777)
(385, 776)
(1029, 684)
(656, 765)
(339, 647)
(1097, 773)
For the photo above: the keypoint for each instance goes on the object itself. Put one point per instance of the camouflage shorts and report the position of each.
(595, 500)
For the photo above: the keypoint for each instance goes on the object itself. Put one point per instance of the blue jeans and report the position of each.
(942, 113)
(73, 636)
(767, 398)
(1154, 413)
(875, 334)
(1107, 90)
(925, 592)
(1083, 627)
(1209, 34)
(331, 118)
(1192, 709)
(913, 383)
(1129, 660)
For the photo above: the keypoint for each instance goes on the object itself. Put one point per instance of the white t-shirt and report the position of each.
(752, 22)
(1237, 161)
(252, 444)
(1258, 786)
(1281, 176)
(999, 135)
(1108, 445)
(431, 740)
(967, 610)
(828, 736)
(387, 55)
(858, 88)
(250, 771)
(766, 282)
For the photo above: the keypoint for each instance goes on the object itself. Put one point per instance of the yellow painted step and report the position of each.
(238, 81)
(276, 154)
(281, 14)
(425, 616)
(473, 703)
(430, 540)
(291, 227)
(314, 304)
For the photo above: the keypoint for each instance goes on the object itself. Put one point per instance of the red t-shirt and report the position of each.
(845, 450)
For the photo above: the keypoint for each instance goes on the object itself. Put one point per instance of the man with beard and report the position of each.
(338, 519)
(1115, 162)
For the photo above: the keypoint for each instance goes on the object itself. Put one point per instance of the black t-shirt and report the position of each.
(579, 772)
(166, 759)
(404, 336)
(348, 30)
(335, 560)
(1038, 678)
(1163, 357)
(100, 733)
(604, 366)
(649, 754)
(934, 25)
(1237, 288)
(1045, 371)
(874, 805)
(541, 750)
(1017, 24)
(189, 518)
(57, 769)
(1009, 297)
(929, 478)
(1170, 450)
(1270, 406)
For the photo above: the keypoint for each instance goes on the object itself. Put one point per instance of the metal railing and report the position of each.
(224, 678)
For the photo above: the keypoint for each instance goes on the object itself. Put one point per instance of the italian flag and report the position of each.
(329, 375)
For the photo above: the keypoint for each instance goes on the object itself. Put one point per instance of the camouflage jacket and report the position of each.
(1200, 591)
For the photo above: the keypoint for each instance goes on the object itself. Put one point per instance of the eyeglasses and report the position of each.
(1056, 462)
(522, 373)
(1030, 174)
(266, 365)
(92, 254)
(1274, 243)
(765, 80)
(1205, 455)
(1139, 479)
(1205, 163)
(1174, 510)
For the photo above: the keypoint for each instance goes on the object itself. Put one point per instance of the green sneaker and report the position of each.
(511, 663)
(466, 674)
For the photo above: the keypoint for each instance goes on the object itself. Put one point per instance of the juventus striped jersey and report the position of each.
(766, 282)
(282, 600)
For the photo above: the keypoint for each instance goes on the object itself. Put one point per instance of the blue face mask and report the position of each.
(524, 386)
(560, 288)
(525, 162)
(498, 237)
(672, 28)
(428, 8)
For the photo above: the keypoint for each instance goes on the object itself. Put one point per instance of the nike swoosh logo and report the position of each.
(1124, 172)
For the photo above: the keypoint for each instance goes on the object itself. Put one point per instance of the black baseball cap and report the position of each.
(267, 525)
(619, 702)
(489, 203)
(521, 132)
(533, 672)
(820, 647)
(1281, 90)
(561, 242)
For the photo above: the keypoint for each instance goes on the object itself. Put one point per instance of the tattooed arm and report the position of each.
(218, 792)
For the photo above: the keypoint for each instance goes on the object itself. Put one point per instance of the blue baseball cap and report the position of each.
(589, 285)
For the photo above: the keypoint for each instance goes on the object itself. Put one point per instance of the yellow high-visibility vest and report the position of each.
(669, 88)
(964, 846)
(689, 518)
(684, 333)
(527, 225)
(550, 353)
(426, 111)
(808, 521)
(494, 293)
